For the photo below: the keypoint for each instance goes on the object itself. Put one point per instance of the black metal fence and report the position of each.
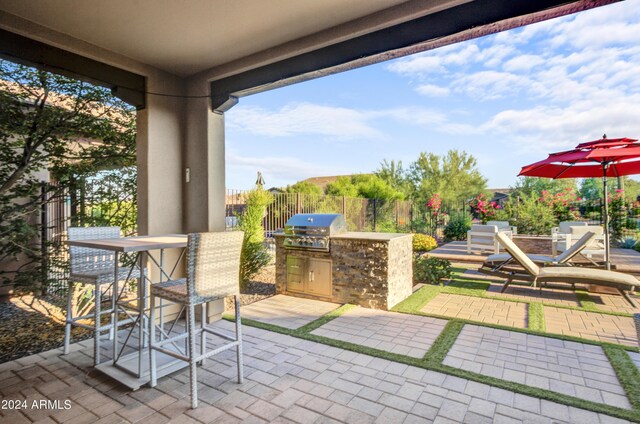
(104, 199)
(360, 214)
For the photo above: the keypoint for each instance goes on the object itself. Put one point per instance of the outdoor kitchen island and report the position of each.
(373, 270)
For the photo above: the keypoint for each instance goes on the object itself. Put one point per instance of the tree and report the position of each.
(454, 177)
(535, 186)
(393, 173)
(591, 189)
(342, 186)
(43, 120)
(304, 187)
(369, 186)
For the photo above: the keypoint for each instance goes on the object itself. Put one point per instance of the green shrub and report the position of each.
(423, 226)
(627, 242)
(423, 243)
(431, 270)
(458, 226)
(533, 216)
(254, 255)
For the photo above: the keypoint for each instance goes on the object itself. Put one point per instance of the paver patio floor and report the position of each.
(591, 325)
(533, 294)
(571, 368)
(409, 335)
(287, 311)
(494, 311)
(287, 380)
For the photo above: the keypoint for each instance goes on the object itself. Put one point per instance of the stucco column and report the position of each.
(204, 194)
(159, 142)
(159, 157)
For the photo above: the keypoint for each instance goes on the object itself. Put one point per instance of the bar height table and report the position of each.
(132, 369)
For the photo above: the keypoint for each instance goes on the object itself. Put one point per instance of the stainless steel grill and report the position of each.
(312, 231)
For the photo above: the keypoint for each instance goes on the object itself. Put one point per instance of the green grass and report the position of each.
(627, 372)
(444, 342)
(586, 301)
(536, 317)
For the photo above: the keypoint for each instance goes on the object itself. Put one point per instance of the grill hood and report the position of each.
(318, 223)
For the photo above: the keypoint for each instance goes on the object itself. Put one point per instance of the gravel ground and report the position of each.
(31, 324)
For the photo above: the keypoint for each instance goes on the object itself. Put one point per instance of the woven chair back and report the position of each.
(213, 264)
(84, 259)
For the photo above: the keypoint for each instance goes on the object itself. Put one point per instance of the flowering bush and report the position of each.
(483, 209)
(562, 204)
(434, 206)
(423, 243)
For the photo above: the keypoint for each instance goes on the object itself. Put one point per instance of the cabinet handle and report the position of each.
(313, 277)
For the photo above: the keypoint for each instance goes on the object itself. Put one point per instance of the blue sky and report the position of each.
(508, 99)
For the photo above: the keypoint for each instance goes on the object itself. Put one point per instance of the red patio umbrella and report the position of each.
(604, 158)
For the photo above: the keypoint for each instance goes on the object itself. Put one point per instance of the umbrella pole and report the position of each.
(606, 216)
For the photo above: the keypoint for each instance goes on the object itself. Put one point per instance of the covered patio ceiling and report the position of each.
(252, 45)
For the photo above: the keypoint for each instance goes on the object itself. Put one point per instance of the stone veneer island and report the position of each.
(373, 270)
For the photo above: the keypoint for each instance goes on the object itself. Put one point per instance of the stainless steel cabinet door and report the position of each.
(296, 273)
(319, 277)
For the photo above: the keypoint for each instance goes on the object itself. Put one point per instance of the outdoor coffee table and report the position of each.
(132, 369)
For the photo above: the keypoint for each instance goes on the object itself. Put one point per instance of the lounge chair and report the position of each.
(497, 261)
(563, 274)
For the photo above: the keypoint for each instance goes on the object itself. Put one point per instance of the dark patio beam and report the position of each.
(459, 23)
(125, 85)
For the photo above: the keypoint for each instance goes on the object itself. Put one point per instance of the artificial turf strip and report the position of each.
(536, 317)
(433, 365)
(444, 342)
(308, 328)
(417, 300)
(586, 301)
(627, 372)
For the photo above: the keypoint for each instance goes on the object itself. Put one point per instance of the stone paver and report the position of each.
(394, 332)
(547, 295)
(591, 325)
(287, 380)
(494, 311)
(287, 311)
(571, 368)
(613, 302)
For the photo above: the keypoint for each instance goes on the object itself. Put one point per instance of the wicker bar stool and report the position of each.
(213, 266)
(96, 268)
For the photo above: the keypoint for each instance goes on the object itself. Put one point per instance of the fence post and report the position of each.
(299, 203)
(43, 234)
(375, 213)
(344, 206)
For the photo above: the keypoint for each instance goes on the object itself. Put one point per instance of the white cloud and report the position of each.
(550, 128)
(339, 123)
(431, 90)
(302, 118)
(277, 167)
(524, 62)
(417, 64)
